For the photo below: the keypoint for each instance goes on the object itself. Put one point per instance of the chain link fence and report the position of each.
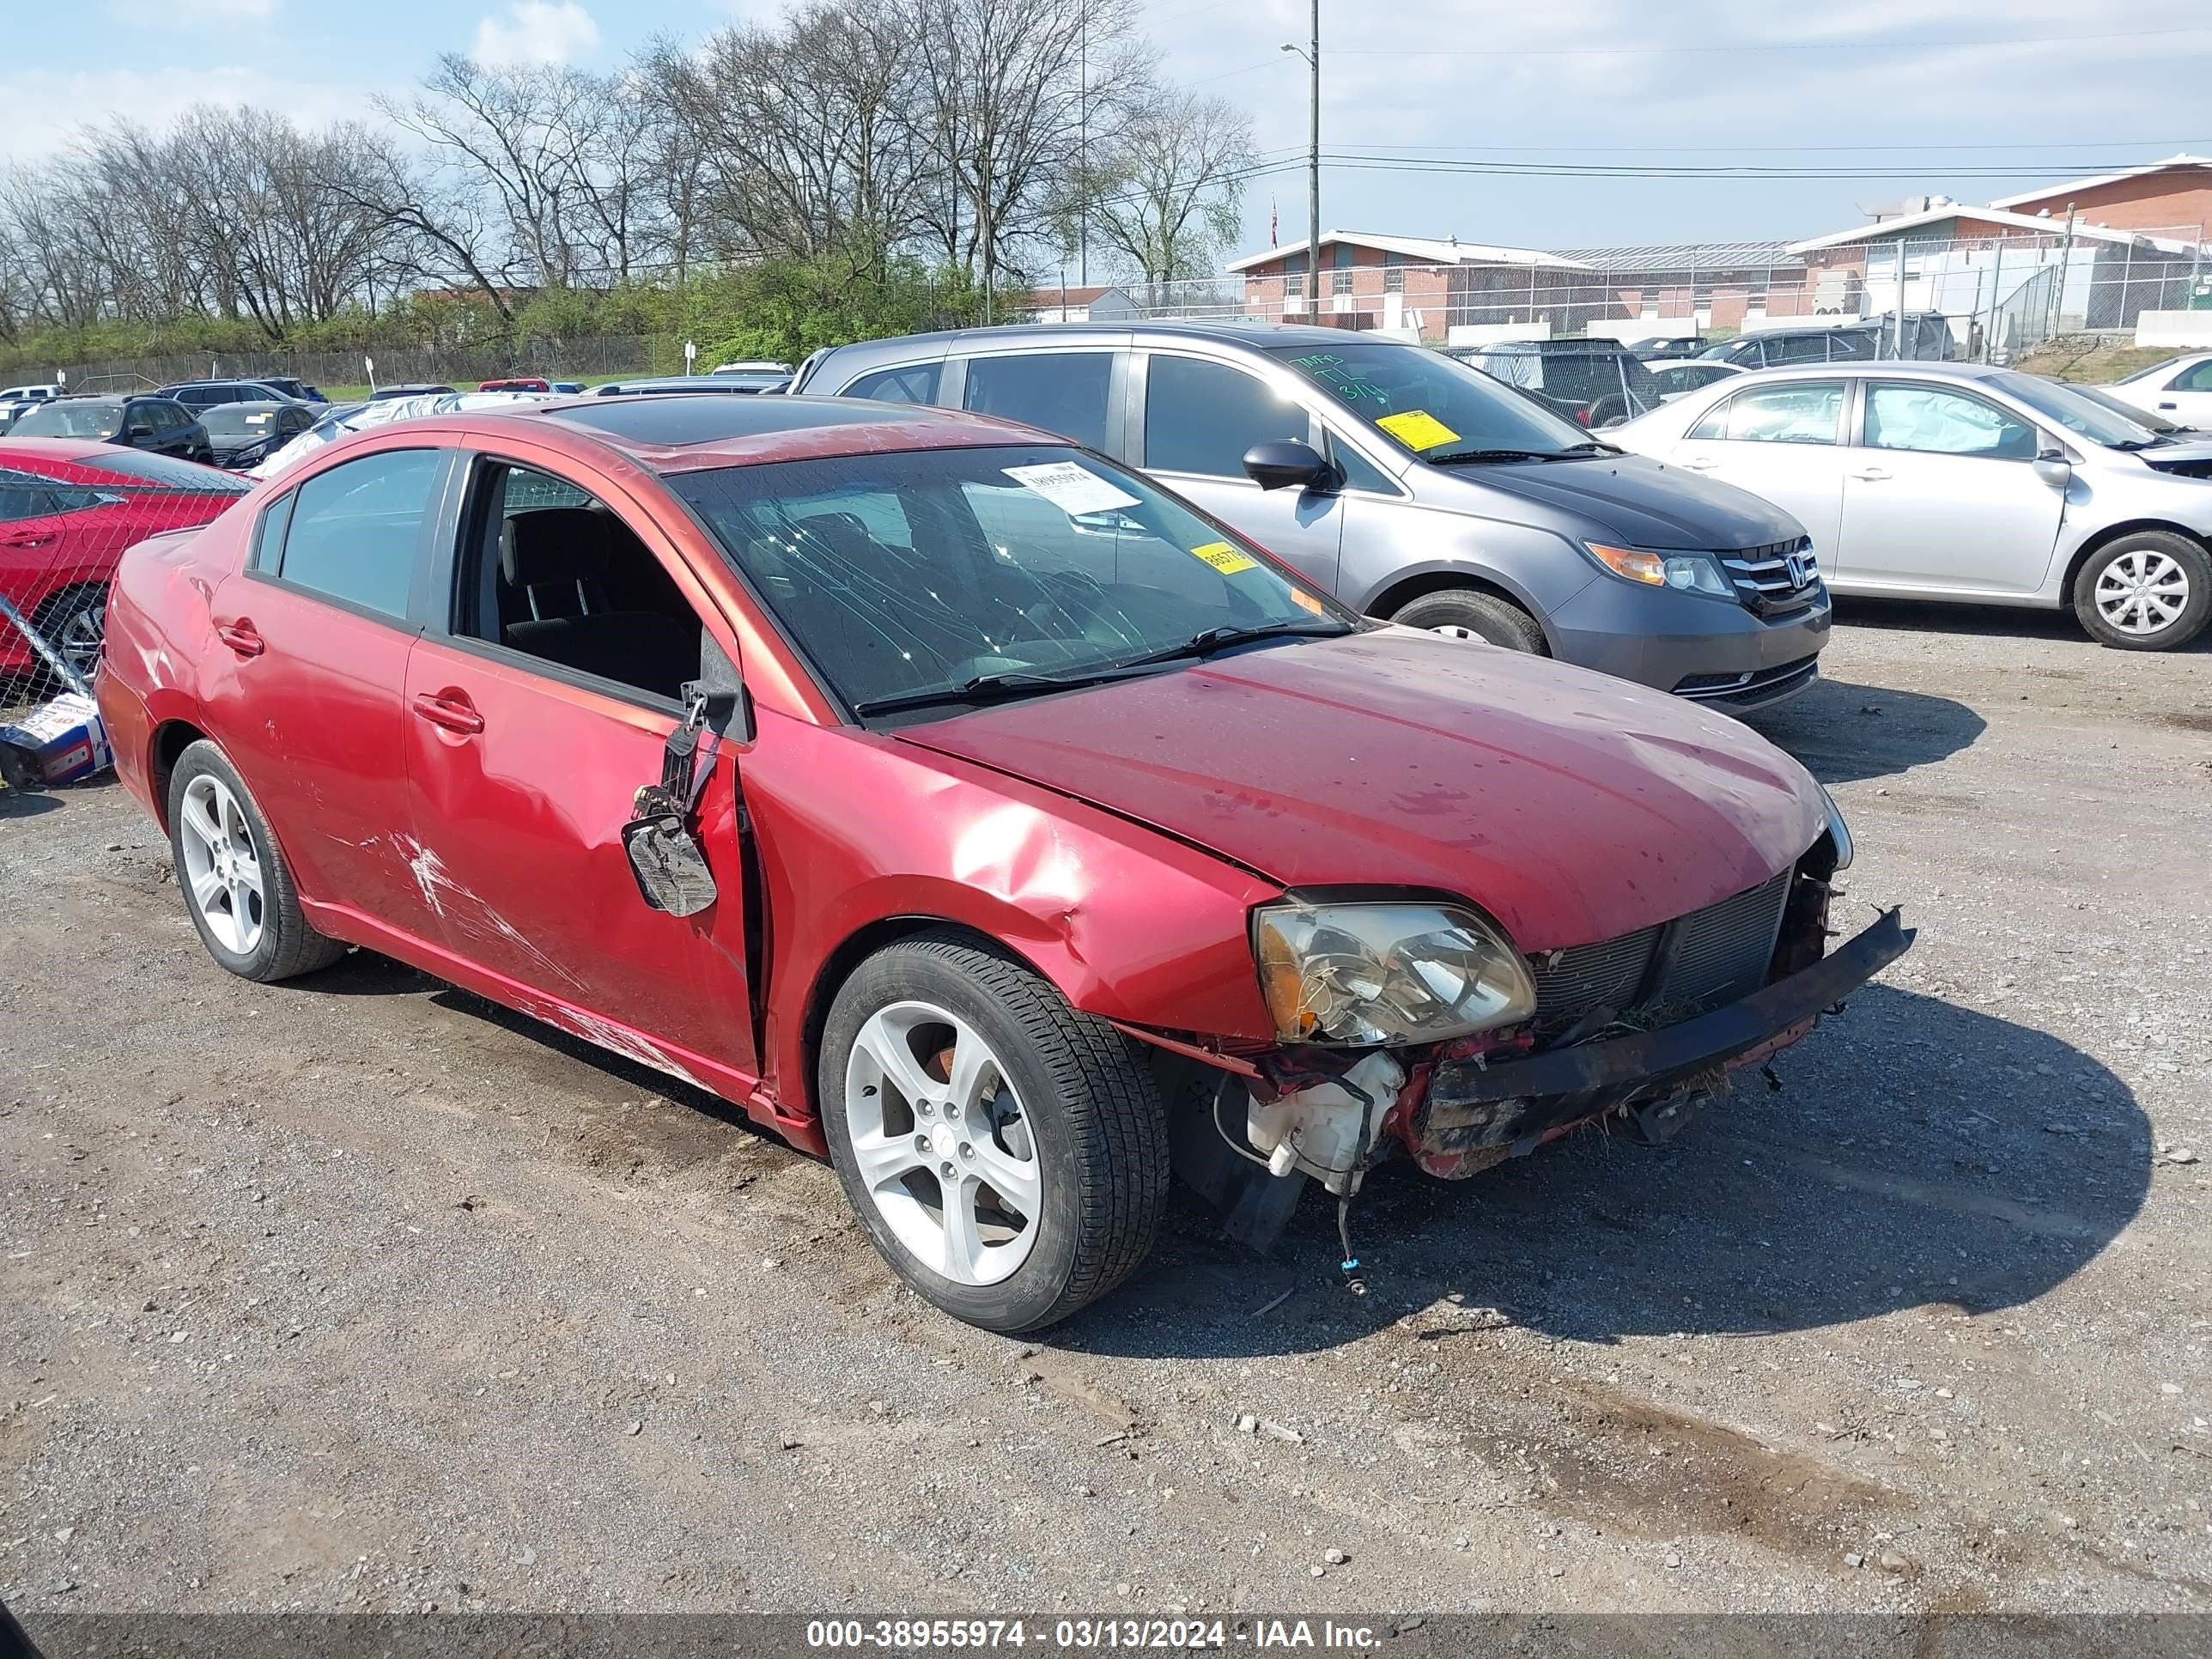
(64, 526)
(1999, 294)
(459, 366)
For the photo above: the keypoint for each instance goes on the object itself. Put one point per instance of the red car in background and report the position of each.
(963, 806)
(525, 383)
(69, 508)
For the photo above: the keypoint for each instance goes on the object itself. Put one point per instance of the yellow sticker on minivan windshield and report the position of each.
(1224, 558)
(1417, 429)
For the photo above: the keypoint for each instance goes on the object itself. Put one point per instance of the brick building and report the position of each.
(1417, 286)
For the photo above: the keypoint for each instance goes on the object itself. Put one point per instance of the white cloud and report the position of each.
(536, 31)
(47, 108)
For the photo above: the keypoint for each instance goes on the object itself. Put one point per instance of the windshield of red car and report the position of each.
(903, 574)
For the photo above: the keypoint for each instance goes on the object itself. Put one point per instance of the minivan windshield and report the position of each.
(1432, 406)
(2085, 417)
(951, 576)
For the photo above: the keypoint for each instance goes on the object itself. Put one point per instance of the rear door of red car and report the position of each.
(306, 673)
(531, 722)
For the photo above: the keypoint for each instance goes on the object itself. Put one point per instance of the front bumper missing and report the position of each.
(1514, 1104)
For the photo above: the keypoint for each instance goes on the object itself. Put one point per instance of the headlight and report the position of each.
(1693, 573)
(1386, 973)
(1838, 830)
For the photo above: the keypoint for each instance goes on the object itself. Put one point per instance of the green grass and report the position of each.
(354, 394)
(2094, 365)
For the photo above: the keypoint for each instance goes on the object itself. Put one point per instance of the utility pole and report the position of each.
(1313, 171)
(1082, 154)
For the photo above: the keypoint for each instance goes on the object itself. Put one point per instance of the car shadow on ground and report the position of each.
(1919, 1154)
(1843, 732)
(23, 804)
(1992, 620)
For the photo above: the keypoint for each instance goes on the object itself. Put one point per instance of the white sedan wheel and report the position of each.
(2143, 591)
(222, 868)
(942, 1143)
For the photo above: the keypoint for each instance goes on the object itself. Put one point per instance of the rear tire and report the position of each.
(2151, 591)
(1060, 1111)
(237, 888)
(1468, 613)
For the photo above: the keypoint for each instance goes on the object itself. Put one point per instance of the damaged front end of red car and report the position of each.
(1649, 1027)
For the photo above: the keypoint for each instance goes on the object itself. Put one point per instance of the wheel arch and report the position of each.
(856, 947)
(2105, 538)
(170, 739)
(1440, 578)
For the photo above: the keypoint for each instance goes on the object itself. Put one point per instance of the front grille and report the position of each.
(1763, 579)
(1711, 956)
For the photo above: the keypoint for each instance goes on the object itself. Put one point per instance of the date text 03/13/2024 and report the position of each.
(1088, 1635)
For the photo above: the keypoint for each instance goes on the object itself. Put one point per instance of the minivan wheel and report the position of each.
(237, 887)
(1007, 1154)
(2149, 591)
(1465, 613)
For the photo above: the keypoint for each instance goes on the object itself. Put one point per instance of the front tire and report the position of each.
(75, 623)
(1007, 1154)
(238, 890)
(2151, 591)
(1466, 613)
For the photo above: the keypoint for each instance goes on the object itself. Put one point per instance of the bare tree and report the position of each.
(1168, 194)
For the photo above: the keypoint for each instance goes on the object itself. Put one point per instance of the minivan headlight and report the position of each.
(1386, 973)
(1692, 573)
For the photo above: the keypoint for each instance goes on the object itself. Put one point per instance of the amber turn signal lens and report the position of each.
(1628, 562)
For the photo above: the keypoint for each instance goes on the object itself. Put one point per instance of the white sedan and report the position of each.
(1956, 480)
(2180, 388)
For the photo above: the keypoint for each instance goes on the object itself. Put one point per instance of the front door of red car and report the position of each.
(305, 674)
(530, 726)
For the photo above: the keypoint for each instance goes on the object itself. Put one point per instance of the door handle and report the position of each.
(241, 637)
(1698, 463)
(2169, 405)
(1872, 475)
(27, 538)
(450, 713)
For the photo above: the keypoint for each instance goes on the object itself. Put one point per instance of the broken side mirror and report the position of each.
(721, 690)
(1282, 462)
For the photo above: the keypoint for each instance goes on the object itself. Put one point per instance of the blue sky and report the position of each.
(1931, 89)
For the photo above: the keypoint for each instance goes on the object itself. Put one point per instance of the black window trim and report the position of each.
(418, 585)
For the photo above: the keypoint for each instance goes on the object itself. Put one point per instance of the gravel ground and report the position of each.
(359, 1294)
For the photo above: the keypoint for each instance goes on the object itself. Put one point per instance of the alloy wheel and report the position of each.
(222, 868)
(79, 639)
(942, 1143)
(2142, 591)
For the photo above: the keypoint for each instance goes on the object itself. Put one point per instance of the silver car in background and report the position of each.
(1962, 481)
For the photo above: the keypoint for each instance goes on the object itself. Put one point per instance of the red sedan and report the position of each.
(68, 509)
(963, 806)
(516, 383)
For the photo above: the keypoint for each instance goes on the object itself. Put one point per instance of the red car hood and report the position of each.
(1570, 805)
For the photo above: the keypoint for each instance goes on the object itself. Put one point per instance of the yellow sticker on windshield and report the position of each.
(1417, 429)
(1300, 596)
(1224, 558)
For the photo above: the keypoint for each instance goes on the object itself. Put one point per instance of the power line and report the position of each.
(1385, 161)
(1761, 47)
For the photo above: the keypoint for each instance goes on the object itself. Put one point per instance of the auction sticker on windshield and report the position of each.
(1224, 558)
(1073, 489)
(1417, 429)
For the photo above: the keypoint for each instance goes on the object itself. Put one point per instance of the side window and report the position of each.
(357, 530)
(549, 571)
(1934, 420)
(23, 501)
(1201, 417)
(914, 383)
(1802, 413)
(1061, 392)
(2198, 378)
(1359, 472)
(268, 535)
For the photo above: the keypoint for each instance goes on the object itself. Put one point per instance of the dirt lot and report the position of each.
(356, 1293)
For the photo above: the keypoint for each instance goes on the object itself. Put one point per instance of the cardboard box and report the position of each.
(63, 739)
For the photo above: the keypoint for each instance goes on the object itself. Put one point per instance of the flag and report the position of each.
(1275, 219)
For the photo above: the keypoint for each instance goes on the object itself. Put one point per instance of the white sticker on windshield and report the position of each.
(1072, 487)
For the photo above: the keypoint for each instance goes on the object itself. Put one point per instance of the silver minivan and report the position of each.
(1410, 485)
